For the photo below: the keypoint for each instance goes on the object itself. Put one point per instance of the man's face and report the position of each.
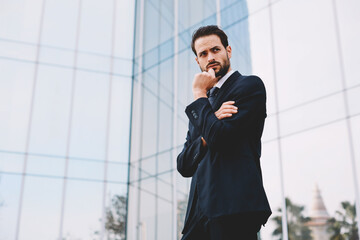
(212, 54)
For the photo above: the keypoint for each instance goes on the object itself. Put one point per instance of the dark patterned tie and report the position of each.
(212, 94)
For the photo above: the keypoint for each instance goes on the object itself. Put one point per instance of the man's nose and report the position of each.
(211, 57)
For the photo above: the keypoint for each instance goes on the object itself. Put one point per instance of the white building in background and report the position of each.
(319, 217)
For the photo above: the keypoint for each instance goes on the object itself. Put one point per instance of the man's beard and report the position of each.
(223, 68)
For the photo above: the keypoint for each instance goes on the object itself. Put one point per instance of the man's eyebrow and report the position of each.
(215, 47)
(202, 51)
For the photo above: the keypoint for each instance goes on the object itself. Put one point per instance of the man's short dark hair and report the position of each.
(206, 31)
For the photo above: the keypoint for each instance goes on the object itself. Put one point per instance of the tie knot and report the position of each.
(213, 91)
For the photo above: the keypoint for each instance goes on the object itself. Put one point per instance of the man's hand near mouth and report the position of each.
(203, 82)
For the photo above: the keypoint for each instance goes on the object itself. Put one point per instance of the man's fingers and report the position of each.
(222, 116)
(212, 72)
(228, 107)
(203, 142)
(229, 103)
(226, 110)
(224, 113)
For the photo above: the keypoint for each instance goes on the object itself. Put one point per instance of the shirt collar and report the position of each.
(223, 79)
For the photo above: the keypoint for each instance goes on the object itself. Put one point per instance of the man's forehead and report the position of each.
(207, 42)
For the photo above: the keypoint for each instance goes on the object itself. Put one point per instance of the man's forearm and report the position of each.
(250, 106)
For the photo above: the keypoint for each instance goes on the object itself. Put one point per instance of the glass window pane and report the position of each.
(149, 128)
(148, 167)
(118, 149)
(117, 172)
(355, 127)
(96, 26)
(186, 60)
(164, 186)
(41, 209)
(150, 80)
(15, 98)
(92, 62)
(86, 169)
(164, 226)
(165, 162)
(311, 115)
(122, 67)
(83, 205)
(270, 166)
(89, 119)
(261, 54)
(165, 129)
(148, 210)
(17, 51)
(57, 57)
(11, 162)
(9, 204)
(166, 78)
(305, 73)
(348, 18)
(353, 100)
(20, 20)
(46, 165)
(58, 30)
(270, 129)
(124, 13)
(50, 119)
(151, 25)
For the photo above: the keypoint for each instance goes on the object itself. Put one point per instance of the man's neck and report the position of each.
(224, 78)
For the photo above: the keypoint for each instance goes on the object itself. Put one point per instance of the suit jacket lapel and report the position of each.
(224, 90)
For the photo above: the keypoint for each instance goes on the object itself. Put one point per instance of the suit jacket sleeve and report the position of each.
(191, 155)
(250, 98)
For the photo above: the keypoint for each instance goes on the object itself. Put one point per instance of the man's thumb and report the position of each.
(212, 72)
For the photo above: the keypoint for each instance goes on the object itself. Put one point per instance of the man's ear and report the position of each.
(229, 51)
(197, 60)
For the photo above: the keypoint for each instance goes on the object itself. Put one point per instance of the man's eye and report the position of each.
(217, 49)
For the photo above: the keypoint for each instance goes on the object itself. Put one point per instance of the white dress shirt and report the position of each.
(223, 79)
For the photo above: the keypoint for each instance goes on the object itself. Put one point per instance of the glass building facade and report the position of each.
(65, 100)
(92, 100)
(164, 66)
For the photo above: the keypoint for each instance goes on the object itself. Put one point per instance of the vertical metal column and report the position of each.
(175, 102)
(283, 205)
(131, 125)
(22, 188)
(218, 13)
(139, 112)
(70, 123)
(108, 121)
(347, 112)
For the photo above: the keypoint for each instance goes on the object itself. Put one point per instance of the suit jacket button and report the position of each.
(195, 116)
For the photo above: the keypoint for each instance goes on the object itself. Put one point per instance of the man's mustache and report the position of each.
(212, 63)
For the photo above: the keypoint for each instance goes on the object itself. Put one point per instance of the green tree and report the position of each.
(296, 223)
(115, 222)
(344, 225)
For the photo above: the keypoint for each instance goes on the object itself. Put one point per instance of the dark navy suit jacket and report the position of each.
(227, 173)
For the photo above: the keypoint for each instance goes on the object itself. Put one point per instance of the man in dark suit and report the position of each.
(223, 147)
